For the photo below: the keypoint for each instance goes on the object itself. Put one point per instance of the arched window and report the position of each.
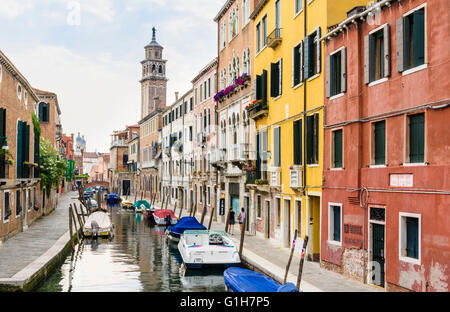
(160, 69)
(153, 68)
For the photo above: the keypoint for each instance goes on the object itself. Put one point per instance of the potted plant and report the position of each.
(261, 182)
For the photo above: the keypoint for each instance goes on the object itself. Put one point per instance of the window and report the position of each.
(264, 26)
(297, 64)
(337, 149)
(258, 37)
(276, 75)
(19, 92)
(410, 233)
(261, 159)
(298, 139)
(417, 138)
(278, 14)
(278, 211)
(334, 222)
(277, 146)
(209, 87)
(18, 204)
(23, 149)
(411, 40)
(44, 111)
(7, 208)
(312, 139)
(3, 141)
(201, 194)
(377, 59)
(298, 6)
(336, 73)
(312, 52)
(258, 206)
(379, 136)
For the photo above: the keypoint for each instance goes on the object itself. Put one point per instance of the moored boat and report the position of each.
(207, 248)
(141, 206)
(186, 223)
(127, 204)
(112, 199)
(98, 224)
(164, 217)
(243, 280)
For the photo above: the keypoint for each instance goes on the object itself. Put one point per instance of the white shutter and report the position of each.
(387, 50)
(399, 41)
(328, 76)
(319, 50)
(343, 70)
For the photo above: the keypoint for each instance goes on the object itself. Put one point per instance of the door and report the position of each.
(126, 187)
(378, 253)
(235, 205)
(287, 222)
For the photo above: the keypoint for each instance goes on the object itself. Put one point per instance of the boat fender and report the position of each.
(288, 287)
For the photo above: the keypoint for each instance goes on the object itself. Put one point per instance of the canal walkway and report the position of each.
(271, 258)
(27, 257)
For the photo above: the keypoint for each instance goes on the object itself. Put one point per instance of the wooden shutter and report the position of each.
(319, 50)
(316, 138)
(258, 87)
(344, 70)
(40, 113)
(274, 84)
(298, 142)
(417, 138)
(47, 117)
(336, 223)
(328, 76)
(306, 58)
(301, 62)
(380, 142)
(2, 141)
(26, 142)
(419, 37)
(387, 50)
(276, 146)
(19, 154)
(337, 137)
(264, 86)
(296, 66)
(412, 237)
(258, 156)
(400, 44)
(280, 76)
(366, 60)
(309, 138)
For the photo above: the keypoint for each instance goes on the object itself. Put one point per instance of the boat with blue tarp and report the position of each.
(243, 280)
(186, 223)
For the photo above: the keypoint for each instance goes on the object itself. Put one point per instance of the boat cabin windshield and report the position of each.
(205, 238)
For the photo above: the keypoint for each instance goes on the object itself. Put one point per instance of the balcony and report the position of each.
(167, 150)
(296, 177)
(258, 110)
(218, 156)
(274, 38)
(275, 177)
(118, 143)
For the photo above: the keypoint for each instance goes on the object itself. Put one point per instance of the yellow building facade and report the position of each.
(289, 74)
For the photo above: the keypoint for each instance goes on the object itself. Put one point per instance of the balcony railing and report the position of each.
(118, 143)
(296, 177)
(258, 110)
(218, 155)
(274, 38)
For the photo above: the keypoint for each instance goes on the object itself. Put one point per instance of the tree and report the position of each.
(53, 168)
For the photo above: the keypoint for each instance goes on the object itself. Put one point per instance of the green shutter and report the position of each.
(380, 142)
(306, 57)
(2, 141)
(419, 37)
(417, 138)
(412, 237)
(316, 139)
(298, 142)
(258, 87)
(309, 139)
(264, 87)
(336, 224)
(48, 112)
(258, 157)
(274, 83)
(296, 65)
(19, 155)
(337, 148)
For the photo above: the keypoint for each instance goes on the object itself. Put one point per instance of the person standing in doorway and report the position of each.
(231, 221)
(241, 219)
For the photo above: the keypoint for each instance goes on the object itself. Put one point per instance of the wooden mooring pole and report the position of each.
(241, 245)
(75, 225)
(226, 223)
(290, 257)
(71, 227)
(211, 218)
(181, 210)
(302, 259)
(162, 205)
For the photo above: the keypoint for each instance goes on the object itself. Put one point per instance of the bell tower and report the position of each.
(154, 81)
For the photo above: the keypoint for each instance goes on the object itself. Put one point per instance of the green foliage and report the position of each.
(261, 182)
(53, 168)
(85, 176)
(37, 125)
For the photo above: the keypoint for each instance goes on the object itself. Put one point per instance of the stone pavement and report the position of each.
(21, 250)
(273, 258)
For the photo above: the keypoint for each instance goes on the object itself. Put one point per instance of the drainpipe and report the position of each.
(304, 110)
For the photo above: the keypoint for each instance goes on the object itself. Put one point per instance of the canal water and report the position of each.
(138, 259)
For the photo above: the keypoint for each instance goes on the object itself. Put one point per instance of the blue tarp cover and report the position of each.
(186, 223)
(242, 280)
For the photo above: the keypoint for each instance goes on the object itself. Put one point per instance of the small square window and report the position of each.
(410, 233)
(334, 223)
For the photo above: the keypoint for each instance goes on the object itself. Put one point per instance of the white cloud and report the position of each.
(13, 8)
(96, 94)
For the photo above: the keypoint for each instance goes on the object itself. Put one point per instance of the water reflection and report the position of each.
(138, 258)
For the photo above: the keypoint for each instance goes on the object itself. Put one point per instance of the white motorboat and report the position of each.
(207, 248)
(98, 224)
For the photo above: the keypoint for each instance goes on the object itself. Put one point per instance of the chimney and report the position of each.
(176, 96)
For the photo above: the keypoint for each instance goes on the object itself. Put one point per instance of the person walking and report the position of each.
(231, 221)
(241, 219)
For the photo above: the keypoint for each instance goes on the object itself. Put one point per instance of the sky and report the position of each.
(88, 52)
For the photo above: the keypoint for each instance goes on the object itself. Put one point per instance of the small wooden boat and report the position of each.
(98, 224)
(127, 204)
(186, 223)
(164, 217)
(207, 248)
(243, 280)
